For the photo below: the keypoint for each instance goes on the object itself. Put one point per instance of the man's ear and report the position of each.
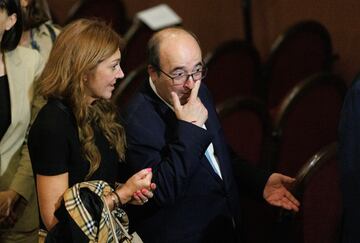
(10, 21)
(153, 73)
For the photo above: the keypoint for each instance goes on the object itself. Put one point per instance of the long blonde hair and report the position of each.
(79, 48)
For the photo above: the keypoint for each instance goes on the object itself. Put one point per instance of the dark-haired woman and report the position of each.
(19, 67)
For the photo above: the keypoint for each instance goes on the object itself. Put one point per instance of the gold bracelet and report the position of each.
(119, 204)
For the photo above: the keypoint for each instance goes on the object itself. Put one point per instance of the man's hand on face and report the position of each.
(193, 111)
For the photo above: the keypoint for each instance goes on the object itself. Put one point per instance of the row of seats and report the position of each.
(282, 140)
(279, 114)
(304, 49)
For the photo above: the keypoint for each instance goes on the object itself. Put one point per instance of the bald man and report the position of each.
(172, 127)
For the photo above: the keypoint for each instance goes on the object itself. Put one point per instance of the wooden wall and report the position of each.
(215, 21)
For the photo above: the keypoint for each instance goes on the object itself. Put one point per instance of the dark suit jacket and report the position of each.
(191, 203)
(349, 157)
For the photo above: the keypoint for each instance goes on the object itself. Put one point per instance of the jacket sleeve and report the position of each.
(249, 178)
(349, 158)
(23, 180)
(173, 161)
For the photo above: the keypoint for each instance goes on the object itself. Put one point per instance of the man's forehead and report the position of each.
(173, 60)
(178, 47)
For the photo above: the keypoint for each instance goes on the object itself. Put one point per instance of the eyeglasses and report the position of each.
(180, 78)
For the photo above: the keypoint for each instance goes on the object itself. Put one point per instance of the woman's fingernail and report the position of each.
(149, 169)
(143, 190)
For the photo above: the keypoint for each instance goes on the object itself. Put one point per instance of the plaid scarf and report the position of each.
(115, 222)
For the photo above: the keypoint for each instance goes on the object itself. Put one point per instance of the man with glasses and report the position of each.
(172, 127)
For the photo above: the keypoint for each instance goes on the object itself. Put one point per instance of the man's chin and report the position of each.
(184, 100)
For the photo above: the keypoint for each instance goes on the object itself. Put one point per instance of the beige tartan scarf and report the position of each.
(115, 222)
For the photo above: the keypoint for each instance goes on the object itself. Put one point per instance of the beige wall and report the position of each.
(215, 21)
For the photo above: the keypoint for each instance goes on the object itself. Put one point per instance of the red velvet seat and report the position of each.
(246, 124)
(233, 69)
(318, 189)
(306, 119)
(303, 50)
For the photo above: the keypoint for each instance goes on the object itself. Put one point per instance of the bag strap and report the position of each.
(126, 234)
(113, 231)
(51, 32)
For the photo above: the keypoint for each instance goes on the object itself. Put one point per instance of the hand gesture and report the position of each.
(277, 194)
(193, 111)
(142, 196)
(135, 184)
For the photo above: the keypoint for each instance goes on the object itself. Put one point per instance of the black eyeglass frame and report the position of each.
(203, 75)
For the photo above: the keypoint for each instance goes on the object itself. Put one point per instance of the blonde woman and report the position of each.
(76, 136)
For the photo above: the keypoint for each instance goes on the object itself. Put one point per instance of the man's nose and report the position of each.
(189, 83)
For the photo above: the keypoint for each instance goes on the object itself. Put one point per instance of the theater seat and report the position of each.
(303, 50)
(318, 189)
(233, 69)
